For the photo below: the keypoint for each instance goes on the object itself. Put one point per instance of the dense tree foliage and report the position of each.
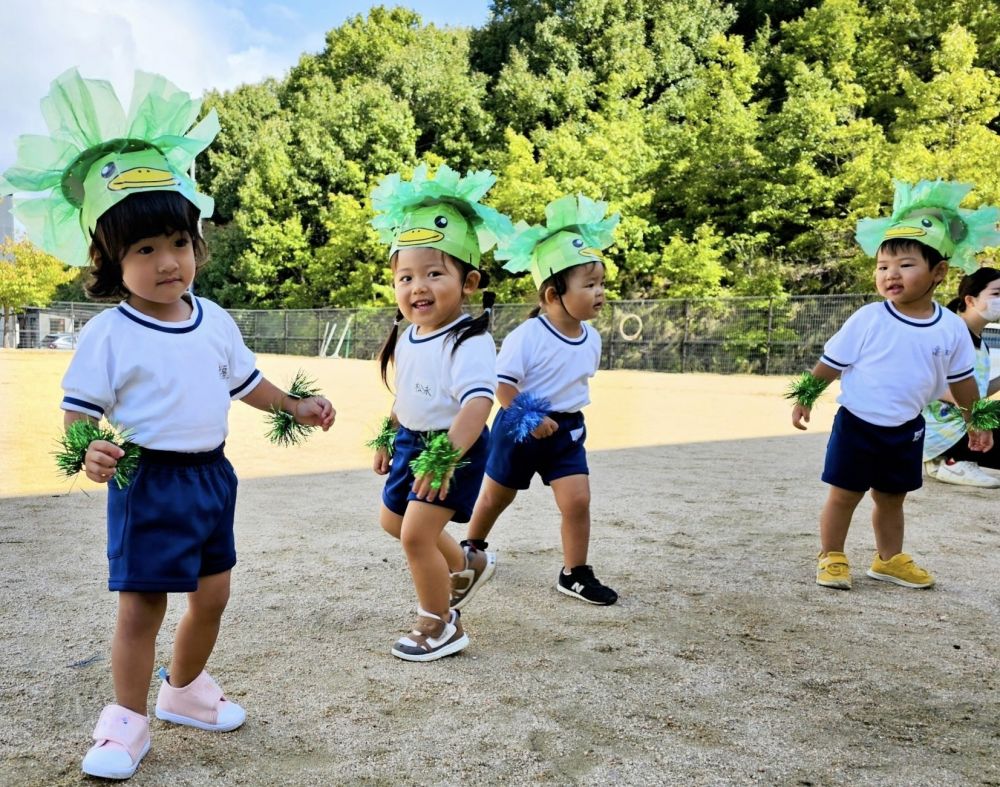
(740, 141)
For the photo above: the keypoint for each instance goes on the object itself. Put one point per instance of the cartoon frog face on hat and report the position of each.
(566, 249)
(923, 227)
(439, 226)
(117, 175)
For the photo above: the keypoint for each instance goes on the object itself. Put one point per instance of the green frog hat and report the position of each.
(575, 233)
(96, 155)
(928, 213)
(442, 213)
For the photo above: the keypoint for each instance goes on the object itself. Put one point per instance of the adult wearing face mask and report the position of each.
(947, 457)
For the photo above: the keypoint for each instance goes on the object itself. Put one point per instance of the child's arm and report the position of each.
(311, 411)
(800, 412)
(102, 457)
(464, 432)
(966, 393)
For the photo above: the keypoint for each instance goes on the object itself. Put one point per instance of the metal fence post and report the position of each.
(684, 336)
(770, 329)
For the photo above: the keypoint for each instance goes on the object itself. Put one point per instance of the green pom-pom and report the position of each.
(984, 416)
(285, 430)
(437, 459)
(77, 439)
(806, 389)
(386, 438)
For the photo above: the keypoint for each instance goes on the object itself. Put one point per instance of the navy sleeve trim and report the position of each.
(830, 362)
(250, 379)
(962, 376)
(477, 391)
(508, 378)
(90, 406)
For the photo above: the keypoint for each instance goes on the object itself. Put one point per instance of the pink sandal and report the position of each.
(199, 704)
(122, 739)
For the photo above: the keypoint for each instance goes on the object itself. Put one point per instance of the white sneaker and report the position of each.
(931, 467)
(965, 474)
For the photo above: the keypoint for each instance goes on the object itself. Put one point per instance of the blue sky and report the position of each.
(197, 44)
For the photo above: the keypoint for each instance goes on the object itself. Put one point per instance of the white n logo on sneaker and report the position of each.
(577, 587)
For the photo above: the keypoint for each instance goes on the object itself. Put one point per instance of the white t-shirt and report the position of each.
(892, 365)
(169, 382)
(433, 383)
(535, 357)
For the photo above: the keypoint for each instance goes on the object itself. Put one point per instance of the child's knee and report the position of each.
(391, 523)
(576, 505)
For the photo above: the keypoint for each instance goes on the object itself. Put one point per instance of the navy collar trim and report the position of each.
(412, 331)
(915, 323)
(165, 327)
(559, 336)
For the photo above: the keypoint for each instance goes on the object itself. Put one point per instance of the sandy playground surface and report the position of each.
(723, 663)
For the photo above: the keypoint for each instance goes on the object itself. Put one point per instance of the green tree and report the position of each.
(28, 277)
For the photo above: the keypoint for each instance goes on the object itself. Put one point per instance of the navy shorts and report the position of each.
(465, 482)
(561, 454)
(173, 523)
(862, 456)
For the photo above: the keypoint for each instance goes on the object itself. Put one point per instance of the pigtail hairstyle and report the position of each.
(971, 285)
(388, 351)
(477, 325)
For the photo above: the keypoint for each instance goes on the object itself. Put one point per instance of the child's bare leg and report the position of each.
(493, 500)
(420, 535)
(887, 520)
(199, 628)
(835, 520)
(573, 498)
(453, 553)
(133, 648)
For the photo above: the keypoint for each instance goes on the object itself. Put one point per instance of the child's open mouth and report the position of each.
(422, 305)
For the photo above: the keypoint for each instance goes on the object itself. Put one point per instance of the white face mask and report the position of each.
(992, 311)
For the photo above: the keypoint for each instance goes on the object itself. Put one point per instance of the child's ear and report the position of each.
(940, 271)
(550, 295)
(471, 282)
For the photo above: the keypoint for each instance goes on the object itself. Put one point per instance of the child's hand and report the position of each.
(545, 429)
(800, 414)
(100, 461)
(424, 491)
(980, 441)
(381, 462)
(314, 411)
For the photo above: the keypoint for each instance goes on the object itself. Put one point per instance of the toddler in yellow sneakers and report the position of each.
(832, 571)
(900, 570)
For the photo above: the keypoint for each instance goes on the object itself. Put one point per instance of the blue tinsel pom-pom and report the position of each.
(524, 415)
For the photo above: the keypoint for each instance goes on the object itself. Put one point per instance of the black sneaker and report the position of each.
(582, 584)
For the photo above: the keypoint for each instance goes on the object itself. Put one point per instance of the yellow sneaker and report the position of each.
(832, 571)
(901, 570)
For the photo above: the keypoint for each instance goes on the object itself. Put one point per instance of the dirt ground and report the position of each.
(723, 663)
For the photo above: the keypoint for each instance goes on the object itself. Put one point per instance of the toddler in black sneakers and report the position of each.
(543, 370)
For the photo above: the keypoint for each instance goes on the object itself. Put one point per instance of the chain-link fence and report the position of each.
(780, 335)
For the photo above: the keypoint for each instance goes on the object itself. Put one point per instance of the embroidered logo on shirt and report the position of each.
(938, 350)
(424, 389)
(223, 371)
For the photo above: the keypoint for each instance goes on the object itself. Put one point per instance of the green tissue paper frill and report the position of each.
(394, 200)
(984, 416)
(965, 233)
(386, 438)
(438, 458)
(806, 389)
(75, 441)
(88, 127)
(582, 218)
(285, 430)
